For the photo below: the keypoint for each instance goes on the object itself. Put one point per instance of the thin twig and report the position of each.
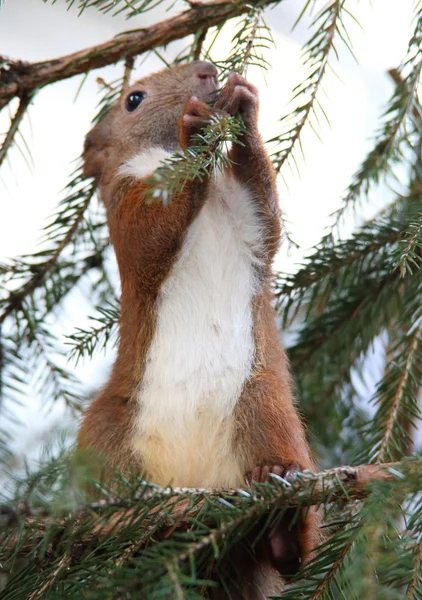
(25, 101)
(199, 43)
(251, 40)
(398, 79)
(15, 299)
(63, 563)
(416, 572)
(328, 577)
(314, 86)
(398, 397)
(129, 62)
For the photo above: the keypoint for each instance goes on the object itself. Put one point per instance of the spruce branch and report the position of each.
(316, 52)
(69, 220)
(301, 490)
(37, 285)
(39, 350)
(72, 213)
(84, 342)
(415, 585)
(207, 154)
(319, 574)
(191, 527)
(330, 268)
(395, 132)
(18, 78)
(129, 64)
(409, 250)
(348, 294)
(64, 563)
(396, 395)
(249, 43)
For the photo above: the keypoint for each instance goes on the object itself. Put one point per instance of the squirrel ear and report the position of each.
(97, 148)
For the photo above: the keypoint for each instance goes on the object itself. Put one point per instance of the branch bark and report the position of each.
(20, 79)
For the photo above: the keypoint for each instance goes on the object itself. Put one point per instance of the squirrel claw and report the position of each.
(263, 473)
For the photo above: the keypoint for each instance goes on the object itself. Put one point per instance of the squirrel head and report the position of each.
(145, 115)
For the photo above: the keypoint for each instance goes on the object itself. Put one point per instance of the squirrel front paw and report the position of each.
(239, 96)
(195, 116)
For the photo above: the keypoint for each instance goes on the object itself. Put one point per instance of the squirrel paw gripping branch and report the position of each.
(200, 393)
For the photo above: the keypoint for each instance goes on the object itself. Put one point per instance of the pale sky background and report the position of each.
(353, 98)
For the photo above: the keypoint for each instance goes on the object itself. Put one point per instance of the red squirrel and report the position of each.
(200, 394)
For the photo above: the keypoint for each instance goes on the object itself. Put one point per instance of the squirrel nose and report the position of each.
(208, 77)
(205, 69)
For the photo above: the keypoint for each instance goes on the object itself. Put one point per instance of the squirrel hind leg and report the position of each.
(285, 546)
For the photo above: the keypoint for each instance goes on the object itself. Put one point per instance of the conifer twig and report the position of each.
(63, 564)
(416, 572)
(129, 63)
(402, 382)
(16, 298)
(24, 103)
(317, 51)
(199, 43)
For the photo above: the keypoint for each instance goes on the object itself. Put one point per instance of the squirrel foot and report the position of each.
(282, 544)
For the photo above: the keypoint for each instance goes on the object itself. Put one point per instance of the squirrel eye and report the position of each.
(134, 100)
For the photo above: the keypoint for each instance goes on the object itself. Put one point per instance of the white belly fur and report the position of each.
(203, 348)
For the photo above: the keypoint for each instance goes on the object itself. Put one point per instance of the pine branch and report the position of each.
(19, 78)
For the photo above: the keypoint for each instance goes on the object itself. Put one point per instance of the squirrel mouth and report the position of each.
(209, 84)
